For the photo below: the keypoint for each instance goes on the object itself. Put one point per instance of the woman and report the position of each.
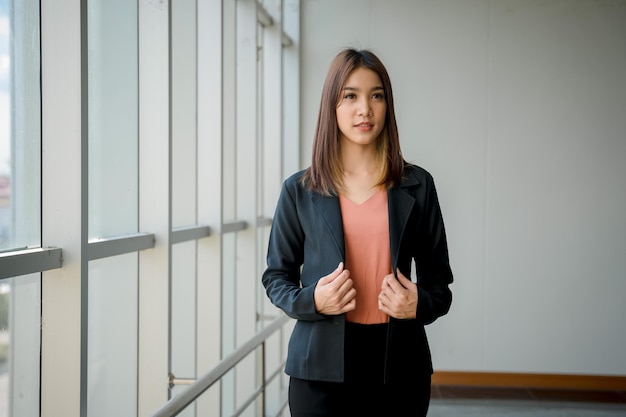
(344, 236)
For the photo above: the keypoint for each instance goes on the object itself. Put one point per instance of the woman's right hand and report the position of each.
(334, 293)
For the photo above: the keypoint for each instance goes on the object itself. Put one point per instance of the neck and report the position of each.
(359, 160)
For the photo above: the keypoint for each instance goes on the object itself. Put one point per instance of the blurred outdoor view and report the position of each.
(5, 193)
(5, 126)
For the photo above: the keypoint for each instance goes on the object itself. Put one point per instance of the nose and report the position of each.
(365, 108)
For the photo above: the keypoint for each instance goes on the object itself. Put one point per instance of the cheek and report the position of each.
(382, 110)
(342, 117)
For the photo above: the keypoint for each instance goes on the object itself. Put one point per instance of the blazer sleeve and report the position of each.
(433, 266)
(285, 255)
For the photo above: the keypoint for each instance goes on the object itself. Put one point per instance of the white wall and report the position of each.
(518, 109)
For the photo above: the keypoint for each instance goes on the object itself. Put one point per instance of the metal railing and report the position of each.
(119, 245)
(29, 260)
(180, 401)
(26, 260)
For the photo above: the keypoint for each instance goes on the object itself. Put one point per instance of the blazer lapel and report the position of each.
(328, 208)
(400, 206)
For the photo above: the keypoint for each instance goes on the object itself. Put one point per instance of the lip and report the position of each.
(364, 126)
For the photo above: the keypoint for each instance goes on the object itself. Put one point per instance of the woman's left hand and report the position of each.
(398, 297)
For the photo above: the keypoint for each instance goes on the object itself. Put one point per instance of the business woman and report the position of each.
(345, 235)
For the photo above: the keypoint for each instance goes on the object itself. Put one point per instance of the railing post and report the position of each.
(261, 381)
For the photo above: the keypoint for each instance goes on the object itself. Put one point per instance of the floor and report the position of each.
(450, 401)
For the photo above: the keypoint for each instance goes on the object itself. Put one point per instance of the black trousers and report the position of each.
(364, 392)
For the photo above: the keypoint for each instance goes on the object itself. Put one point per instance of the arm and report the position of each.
(285, 256)
(434, 274)
(424, 242)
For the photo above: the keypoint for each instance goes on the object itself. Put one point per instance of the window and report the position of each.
(113, 119)
(20, 203)
(20, 125)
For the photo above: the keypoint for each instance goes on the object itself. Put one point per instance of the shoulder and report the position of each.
(295, 180)
(414, 175)
(294, 187)
(294, 184)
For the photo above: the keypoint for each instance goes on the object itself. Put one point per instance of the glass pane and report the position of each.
(229, 303)
(113, 117)
(184, 147)
(183, 313)
(20, 312)
(229, 145)
(20, 124)
(113, 205)
(113, 335)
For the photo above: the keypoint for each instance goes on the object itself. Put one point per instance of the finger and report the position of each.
(401, 277)
(393, 285)
(392, 294)
(349, 296)
(349, 306)
(387, 305)
(385, 283)
(342, 300)
(386, 292)
(388, 277)
(406, 282)
(345, 285)
(342, 282)
(384, 298)
(342, 295)
(383, 307)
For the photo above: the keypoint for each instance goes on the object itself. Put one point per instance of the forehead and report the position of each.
(362, 78)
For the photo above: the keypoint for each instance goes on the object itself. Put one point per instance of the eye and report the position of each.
(349, 96)
(378, 96)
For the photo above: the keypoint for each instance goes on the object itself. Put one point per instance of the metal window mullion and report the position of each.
(84, 207)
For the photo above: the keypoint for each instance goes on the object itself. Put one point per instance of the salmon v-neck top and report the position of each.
(368, 256)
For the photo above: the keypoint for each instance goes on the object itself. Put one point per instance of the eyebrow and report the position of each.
(357, 89)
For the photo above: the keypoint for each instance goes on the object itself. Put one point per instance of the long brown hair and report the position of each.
(325, 173)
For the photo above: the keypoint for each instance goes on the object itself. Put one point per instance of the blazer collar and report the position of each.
(400, 204)
(409, 179)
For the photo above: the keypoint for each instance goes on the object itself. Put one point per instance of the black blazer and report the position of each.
(306, 243)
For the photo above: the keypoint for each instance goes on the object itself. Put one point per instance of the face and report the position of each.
(362, 108)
